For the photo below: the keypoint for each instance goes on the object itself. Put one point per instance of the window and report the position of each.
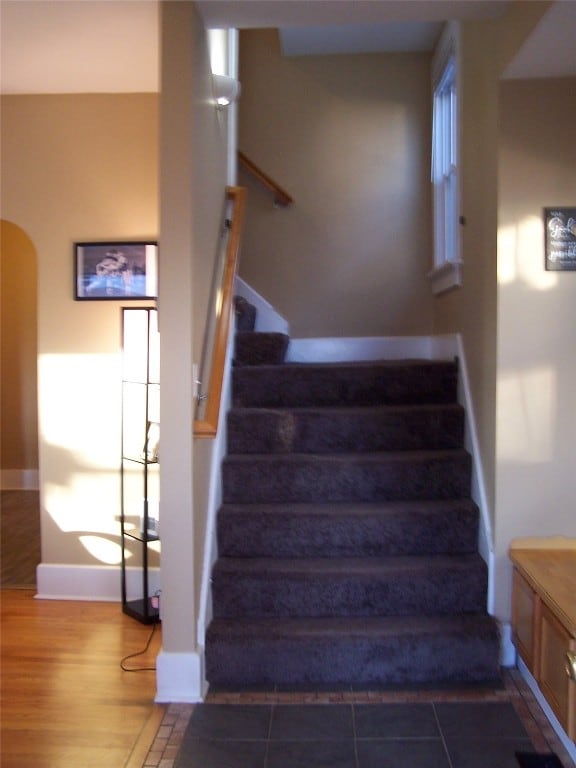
(445, 180)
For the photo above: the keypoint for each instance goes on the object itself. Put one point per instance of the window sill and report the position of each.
(446, 276)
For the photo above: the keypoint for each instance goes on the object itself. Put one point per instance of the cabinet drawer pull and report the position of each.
(571, 665)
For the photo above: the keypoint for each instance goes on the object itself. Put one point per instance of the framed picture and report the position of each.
(115, 271)
(560, 238)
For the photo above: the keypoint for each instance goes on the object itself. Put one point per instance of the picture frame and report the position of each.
(560, 239)
(116, 270)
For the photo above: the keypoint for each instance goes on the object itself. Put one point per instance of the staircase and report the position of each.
(347, 538)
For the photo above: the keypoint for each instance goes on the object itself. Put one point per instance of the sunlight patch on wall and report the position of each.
(527, 416)
(521, 255)
(80, 399)
(86, 504)
(218, 45)
(104, 550)
(507, 255)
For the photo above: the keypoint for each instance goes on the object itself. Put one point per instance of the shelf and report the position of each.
(141, 537)
(142, 611)
(137, 460)
(139, 465)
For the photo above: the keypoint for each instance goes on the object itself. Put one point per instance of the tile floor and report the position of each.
(466, 728)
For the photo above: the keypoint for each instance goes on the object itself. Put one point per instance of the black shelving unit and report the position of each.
(140, 471)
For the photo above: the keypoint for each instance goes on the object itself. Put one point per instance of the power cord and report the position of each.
(139, 653)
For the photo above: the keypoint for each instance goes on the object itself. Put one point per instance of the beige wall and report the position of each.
(536, 405)
(349, 138)
(79, 167)
(18, 298)
(471, 309)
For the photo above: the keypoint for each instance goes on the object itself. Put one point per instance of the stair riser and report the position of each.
(310, 385)
(286, 610)
(269, 595)
(260, 348)
(342, 660)
(334, 478)
(253, 534)
(265, 431)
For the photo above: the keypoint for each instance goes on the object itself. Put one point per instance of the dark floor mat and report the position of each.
(534, 760)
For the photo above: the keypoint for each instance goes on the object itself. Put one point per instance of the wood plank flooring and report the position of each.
(66, 702)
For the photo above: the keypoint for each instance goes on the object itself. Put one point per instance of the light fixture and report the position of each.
(226, 90)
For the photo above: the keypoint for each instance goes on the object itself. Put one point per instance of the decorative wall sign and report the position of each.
(560, 238)
(116, 270)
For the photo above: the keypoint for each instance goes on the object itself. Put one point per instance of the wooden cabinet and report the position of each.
(526, 611)
(554, 674)
(544, 625)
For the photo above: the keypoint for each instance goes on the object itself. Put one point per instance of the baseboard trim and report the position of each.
(478, 489)
(507, 649)
(19, 480)
(554, 722)
(179, 678)
(99, 583)
(329, 350)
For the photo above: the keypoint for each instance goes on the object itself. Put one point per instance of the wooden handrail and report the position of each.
(281, 197)
(208, 426)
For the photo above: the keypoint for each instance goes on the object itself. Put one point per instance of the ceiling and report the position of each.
(108, 46)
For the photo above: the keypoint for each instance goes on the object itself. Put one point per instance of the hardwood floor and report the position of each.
(66, 702)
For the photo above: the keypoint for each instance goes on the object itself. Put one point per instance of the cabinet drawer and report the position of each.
(556, 684)
(526, 609)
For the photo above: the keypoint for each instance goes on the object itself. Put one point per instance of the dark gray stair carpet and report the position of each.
(383, 383)
(245, 314)
(335, 430)
(258, 348)
(386, 476)
(347, 538)
(392, 586)
(347, 529)
(367, 651)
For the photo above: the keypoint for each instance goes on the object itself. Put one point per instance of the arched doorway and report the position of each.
(20, 533)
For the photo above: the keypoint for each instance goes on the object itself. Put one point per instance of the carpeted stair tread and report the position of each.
(366, 650)
(325, 384)
(346, 529)
(349, 586)
(339, 429)
(339, 566)
(260, 348)
(347, 538)
(385, 476)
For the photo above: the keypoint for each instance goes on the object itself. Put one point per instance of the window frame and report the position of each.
(447, 270)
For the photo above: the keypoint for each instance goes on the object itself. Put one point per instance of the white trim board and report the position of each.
(357, 349)
(56, 581)
(179, 678)
(554, 722)
(267, 318)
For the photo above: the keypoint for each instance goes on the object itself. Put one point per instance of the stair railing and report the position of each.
(219, 316)
(281, 197)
